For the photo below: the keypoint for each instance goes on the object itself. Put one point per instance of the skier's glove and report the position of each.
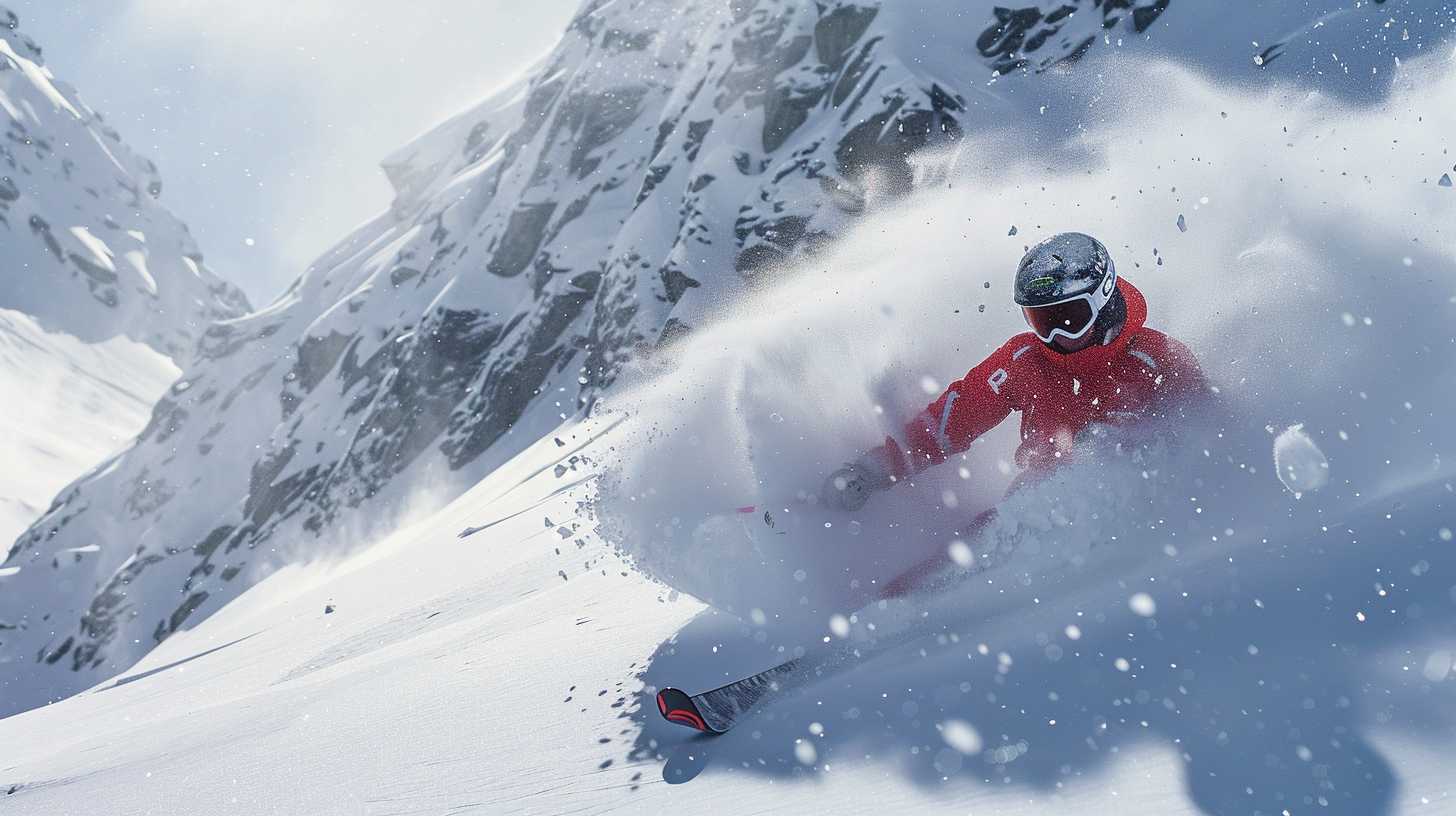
(850, 487)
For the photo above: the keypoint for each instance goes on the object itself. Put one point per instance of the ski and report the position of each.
(718, 710)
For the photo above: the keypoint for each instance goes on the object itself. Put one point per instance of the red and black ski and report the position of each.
(716, 711)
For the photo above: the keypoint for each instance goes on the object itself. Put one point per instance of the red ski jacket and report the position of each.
(1142, 374)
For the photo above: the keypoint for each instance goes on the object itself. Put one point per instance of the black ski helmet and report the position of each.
(1063, 266)
(1067, 288)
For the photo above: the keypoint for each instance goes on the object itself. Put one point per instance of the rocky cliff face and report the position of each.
(668, 154)
(88, 250)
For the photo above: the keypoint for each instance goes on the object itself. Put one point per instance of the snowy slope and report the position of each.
(447, 671)
(441, 679)
(69, 404)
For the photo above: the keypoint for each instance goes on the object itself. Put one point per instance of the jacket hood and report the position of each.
(1095, 357)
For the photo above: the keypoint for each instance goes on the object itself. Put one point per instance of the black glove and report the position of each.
(850, 487)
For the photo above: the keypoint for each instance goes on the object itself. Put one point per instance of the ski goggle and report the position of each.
(1070, 318)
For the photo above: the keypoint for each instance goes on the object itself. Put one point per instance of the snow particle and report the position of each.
(1348, 319)
(1444, 533)
(1438, 666)
(948, 761)
(817, 729)
(1073, 631)
(960, 552)
(1298, 461)
(757, 616)
(1122, 664)
(251, 242)
(929, 385)
(1012, 231)
(800, 575)
(839, 626)
(1142, 604)
(1445, 180)
(804, 752)
(961, 736)
(1304, 753)
(1182, 223)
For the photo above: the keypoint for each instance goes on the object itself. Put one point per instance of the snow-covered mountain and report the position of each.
(665, 159)
(88, 249)
(104, 293)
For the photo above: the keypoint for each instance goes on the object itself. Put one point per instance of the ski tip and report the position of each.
(677, 707)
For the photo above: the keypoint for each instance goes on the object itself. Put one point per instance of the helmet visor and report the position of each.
(1070, 318)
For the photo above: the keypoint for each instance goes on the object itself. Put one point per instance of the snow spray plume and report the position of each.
(1299, 246)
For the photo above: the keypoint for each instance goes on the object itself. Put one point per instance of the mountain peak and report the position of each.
(91, 251)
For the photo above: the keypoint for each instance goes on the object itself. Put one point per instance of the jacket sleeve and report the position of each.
(971, 406)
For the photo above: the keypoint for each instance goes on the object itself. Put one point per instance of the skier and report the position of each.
(1088, 358)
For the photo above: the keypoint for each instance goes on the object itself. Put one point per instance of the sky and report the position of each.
(268, 118)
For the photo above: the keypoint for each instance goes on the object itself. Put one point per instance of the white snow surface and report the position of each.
(68, 405)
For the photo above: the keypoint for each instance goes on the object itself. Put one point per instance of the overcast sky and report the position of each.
(268, 118)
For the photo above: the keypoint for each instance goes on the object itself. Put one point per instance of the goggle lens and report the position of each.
(1072, 317)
